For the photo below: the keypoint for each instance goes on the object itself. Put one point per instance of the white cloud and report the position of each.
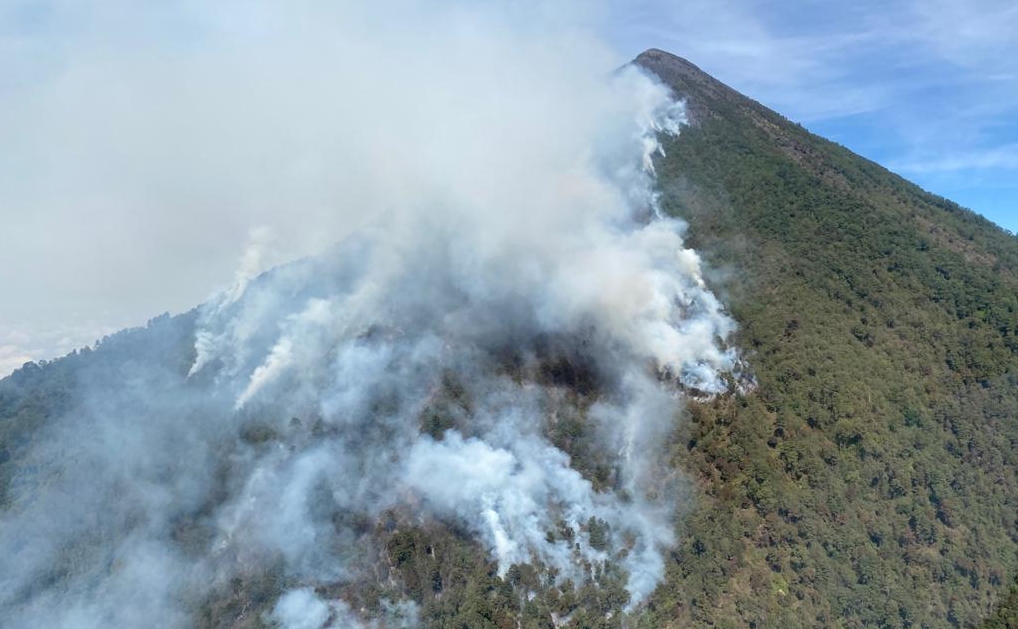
(12, 357)
(979, 34)
(19, 345)
(1002, 157)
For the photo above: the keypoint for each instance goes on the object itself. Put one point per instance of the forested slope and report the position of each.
(866, 480)
(870, 478)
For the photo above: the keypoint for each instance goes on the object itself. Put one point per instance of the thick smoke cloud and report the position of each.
(145, 139)
(489, 187)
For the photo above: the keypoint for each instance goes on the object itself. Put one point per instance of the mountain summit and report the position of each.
(689, 80)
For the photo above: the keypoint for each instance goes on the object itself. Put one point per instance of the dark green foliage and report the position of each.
(1006, 614)
(869, 480)
(37, 393)
(244, 602)
(457, 587)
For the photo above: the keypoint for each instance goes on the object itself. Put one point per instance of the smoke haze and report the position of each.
(476, 188)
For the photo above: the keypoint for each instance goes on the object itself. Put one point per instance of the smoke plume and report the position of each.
(499, 266)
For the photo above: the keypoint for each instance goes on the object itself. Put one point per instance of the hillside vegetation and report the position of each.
(869, 480)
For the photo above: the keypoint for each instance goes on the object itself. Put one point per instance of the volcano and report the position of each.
(747, 379)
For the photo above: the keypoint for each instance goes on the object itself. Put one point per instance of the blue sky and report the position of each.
(928, 88)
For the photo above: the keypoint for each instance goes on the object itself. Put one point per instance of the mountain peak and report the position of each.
(705, 96)
(663, 57)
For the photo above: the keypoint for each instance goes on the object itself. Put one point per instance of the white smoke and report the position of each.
(385, 316)
(490, 193)
(302, 608)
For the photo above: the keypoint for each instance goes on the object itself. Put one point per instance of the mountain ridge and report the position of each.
(880, 323)
(686, 79)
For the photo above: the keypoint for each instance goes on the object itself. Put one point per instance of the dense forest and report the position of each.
(867, 478)
(870, 478)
